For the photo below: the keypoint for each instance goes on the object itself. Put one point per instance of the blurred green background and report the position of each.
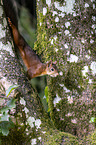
(28, 28)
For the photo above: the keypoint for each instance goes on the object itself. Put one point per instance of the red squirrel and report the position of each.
(34, 66)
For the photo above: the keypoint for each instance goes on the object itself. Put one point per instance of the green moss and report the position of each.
(73, 78)
(16, 136)
(27, 28)
(71, 73)
(44, 37)
(57, 138)
(90, 139)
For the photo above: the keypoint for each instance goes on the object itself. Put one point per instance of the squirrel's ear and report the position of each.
(49, 63)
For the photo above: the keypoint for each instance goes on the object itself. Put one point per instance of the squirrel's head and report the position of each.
(51, 69)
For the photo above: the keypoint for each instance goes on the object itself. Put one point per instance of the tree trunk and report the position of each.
(66, 35)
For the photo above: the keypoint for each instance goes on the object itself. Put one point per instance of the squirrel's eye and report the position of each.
(52, 69)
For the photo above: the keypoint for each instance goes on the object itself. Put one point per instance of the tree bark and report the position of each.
(65, 35)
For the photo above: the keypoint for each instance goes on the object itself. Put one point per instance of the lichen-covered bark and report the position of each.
(29, 114)
(59, 39)
(66, 33)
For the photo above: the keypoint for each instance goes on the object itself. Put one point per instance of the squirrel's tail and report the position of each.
(11, 11)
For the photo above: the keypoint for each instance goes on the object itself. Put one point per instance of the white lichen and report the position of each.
(56, 50)
(85, 70)
(43, 132)
(70, 99)
(30, 121)
(2, 32)
(61, 73)
(66, 32)
(93, 6)
(67, 24)
(73, 121)
(26, 111)
(44, 11)
(56, 100)
(66, 90)
(93, 18)
(90, 81)
(37, 123)
(68, 8)
(62, 118)
(58, 109)
(68, 52)
(68, 114)
(83, 40)
(87, 56)
(40, 24)
(91, 41)
(6, 83)
(7, 47)
(93, 67)
(59, 32)
(55, 37)
(22, 101)
(74, 14)
(4, 22)
(56, 19)
(52, 42)
(94, 26)
(48, 2)
(73, 58)
(1, 11)
(61, 14)
(61, 85)
(33, 141)
(54, 13)
(66, 46)
(39, 138)
(86, 5)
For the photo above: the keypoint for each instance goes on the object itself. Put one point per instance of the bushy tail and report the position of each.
(10, 11)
